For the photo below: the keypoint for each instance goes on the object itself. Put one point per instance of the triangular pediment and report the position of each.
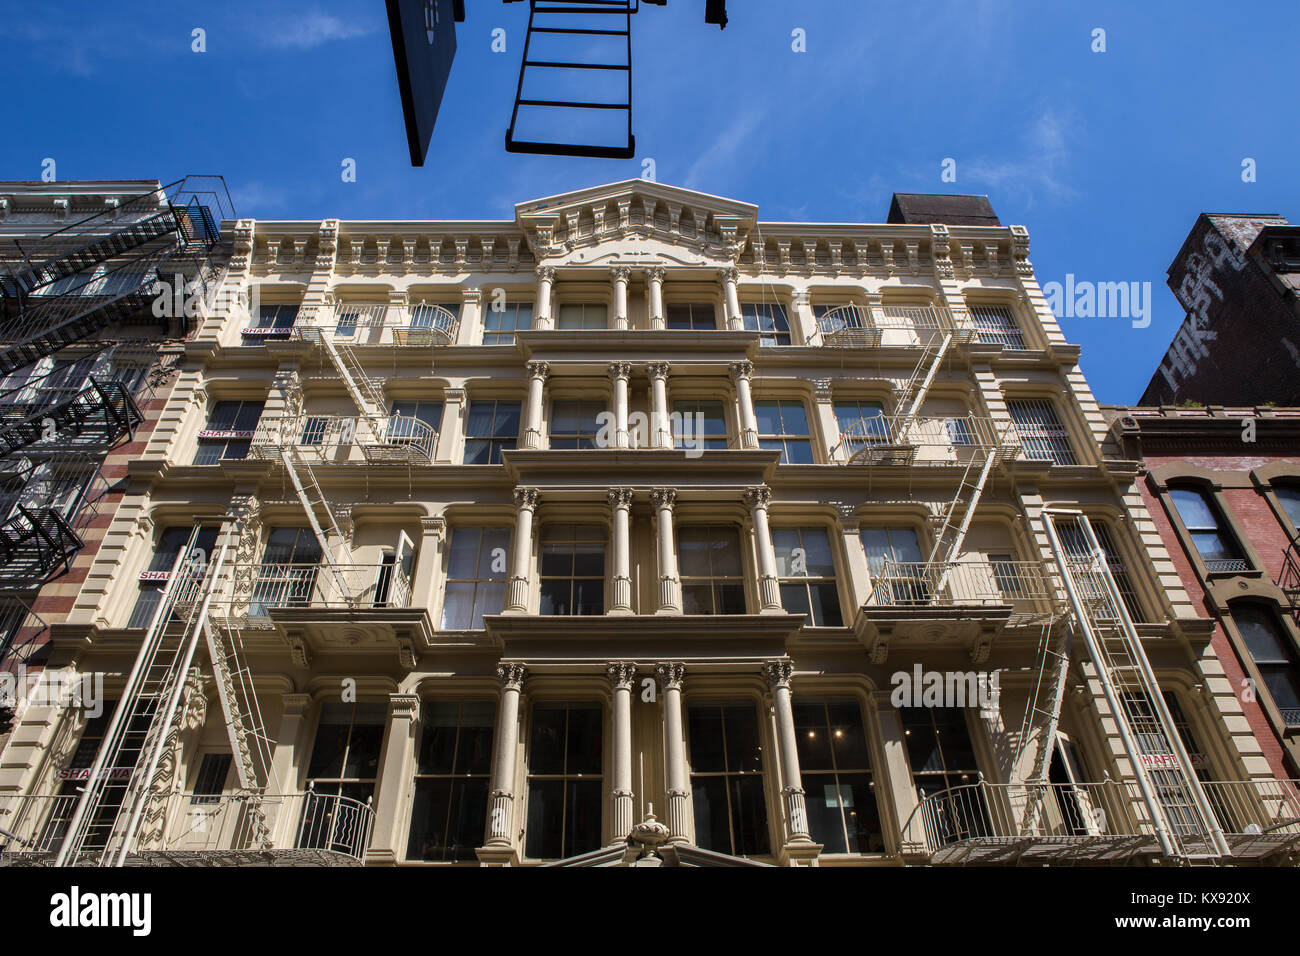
(635, 221)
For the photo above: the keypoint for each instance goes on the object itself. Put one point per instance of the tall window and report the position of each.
(691, 317)
(711, 570)
(272, 321)
(807, 571)
(1289, 498)
(1274, 654)
(347, 318)
(896, 566)
(500, 325)
(229, 432)
(402, 427)
(574, 423)
(573, 569)
(836, 770)
(211, 780)
(449, 812)
(576, 316)
(287, 574)
(699, 423)
(476, 577)
(864, 421)
(727, 778)
(783, 427)
(154, 578)
(564, 780)
(1075, 543)
(1213, 541)
(995, 325)
(769, 320)
(942, 757)
(493, 426)
(1040, 431)
(345, 755)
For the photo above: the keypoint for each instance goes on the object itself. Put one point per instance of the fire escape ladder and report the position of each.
(576, 55)
(103, 412)
(1184, 822)
(311, 496)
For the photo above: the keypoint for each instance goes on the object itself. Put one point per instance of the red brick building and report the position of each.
(1238, 277)
(1223, 486)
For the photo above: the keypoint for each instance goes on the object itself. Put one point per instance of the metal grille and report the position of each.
(1042, 435)
(995, 325)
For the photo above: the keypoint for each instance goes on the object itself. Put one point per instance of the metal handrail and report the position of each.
(268, 586)
(1025, 585)
(331, 438)
(937, 440)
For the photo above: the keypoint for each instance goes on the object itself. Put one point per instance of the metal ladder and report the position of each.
(1184, 821)
(311, 496)
(569, 27)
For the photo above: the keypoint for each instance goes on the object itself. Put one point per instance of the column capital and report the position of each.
(471, 296)
(620, 498)
(511, 674)
(403, 706)
(672, 674)
(526, 498)
(620, 273)
(621, 674)
(657, 369)
(656, 273)
(759, 496)
(546, 273)
(620, 370)
(454, 396)
(433, 527)
(295, 705)
(539, 370)
(729, 274)
(778, 673)
(740, 370)
(663, 498)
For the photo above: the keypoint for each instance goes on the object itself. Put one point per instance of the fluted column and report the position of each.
(620, 275)
(778, 674)
(741, 372)
(670, 585)
(655, 281)
(660, 434)
(537, 375)
(517, 599)
(501, 826)
(620, 373)
(735, 323)
(672, 676)
(620, 499)
(542, 309)
(769, 587)
(621, 676)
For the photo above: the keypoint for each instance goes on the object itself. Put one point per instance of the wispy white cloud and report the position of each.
(312, 29)
(726, 150)
(1042, 165)
(255, 198)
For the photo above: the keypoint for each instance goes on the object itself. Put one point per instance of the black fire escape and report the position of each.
(1289, 579)
(59, 290)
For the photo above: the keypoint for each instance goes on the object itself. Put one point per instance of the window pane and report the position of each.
(1289, 498)
(1193, 508)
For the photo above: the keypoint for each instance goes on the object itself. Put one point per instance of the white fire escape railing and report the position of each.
(325, 439)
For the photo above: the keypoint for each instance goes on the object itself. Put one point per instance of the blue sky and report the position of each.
(1107, 157)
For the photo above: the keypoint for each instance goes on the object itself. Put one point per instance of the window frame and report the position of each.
(785, 437)
(478, 583)
(768, 338)
(496, 443)
(714, 581)
(1060, 447)
(1224, 528)
(503, 334)
(807, 581)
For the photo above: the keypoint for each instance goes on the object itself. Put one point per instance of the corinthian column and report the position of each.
(620, 372)
(542, 309)
(537, 374)
(778, 675)
(517, 599)
(655, 279)
(621, 675)
(660, 436)
(672, 676)
(740, 374)
(735, 322)
(670, 585)
(620, 499)
(501, 828)
(769, 587)
(620, 275)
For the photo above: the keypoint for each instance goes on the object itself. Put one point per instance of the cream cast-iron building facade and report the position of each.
(483, 541)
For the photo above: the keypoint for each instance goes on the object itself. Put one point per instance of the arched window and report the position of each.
(1210, 535)
(1274, 654)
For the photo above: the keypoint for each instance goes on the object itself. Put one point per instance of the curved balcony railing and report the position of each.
(930, 441)
(342, 438)
(427, 324)
(190, 822)
(422, 324)
(848, 326)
